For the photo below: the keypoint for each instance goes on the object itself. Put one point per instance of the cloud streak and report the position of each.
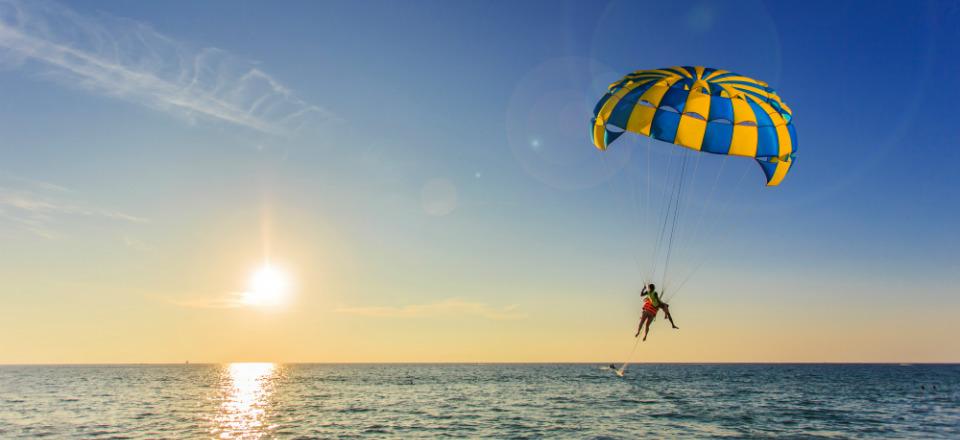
(227, 301)
(449, 308)
(37, 207)
(130, 60)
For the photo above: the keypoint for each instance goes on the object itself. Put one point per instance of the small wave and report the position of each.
(376, 429)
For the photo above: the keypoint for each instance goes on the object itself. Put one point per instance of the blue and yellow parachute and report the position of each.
(703, 109)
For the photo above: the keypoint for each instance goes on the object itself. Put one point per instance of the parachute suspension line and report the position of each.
(646, 221)
(683, 226)
(672, 213)
(619, 197)
(641, 204)
(723, 210)
(645, 231)
(694, 235)
(676, 215)
(682, 234)
(660, 217)
(709, 201)
(660, 229)
(629, 358)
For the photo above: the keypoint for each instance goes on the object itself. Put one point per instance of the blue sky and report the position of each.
(414, 153)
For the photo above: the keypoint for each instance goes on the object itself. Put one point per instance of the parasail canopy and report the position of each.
(704, 109)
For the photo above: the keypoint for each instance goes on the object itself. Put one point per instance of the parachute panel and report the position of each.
(704, 109)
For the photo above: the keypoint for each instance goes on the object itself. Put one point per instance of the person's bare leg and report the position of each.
(670, 318)
(640, 327)
(666, 313)
(647, 329)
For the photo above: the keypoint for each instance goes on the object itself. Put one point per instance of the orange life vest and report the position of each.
(649, 307)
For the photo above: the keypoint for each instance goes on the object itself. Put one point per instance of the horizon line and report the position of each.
(480, 363)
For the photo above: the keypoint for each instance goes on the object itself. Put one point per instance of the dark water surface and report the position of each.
(468, 401)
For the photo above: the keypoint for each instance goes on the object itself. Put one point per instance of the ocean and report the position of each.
(480, 401)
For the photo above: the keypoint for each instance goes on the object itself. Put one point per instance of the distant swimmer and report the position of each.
(613, 367)
(652, 304)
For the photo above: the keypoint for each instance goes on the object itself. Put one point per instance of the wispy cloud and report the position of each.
(225, 301)
(136, 243)
(45, 186)
(130, 60)
(449, 308)
(37, 207)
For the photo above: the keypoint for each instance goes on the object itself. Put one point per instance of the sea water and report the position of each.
(486, 400)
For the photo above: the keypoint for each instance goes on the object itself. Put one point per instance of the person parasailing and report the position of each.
(651, 305)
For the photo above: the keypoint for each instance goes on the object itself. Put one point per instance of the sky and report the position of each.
(421, 175)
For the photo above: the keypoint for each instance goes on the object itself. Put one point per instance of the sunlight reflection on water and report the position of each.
(245, 389)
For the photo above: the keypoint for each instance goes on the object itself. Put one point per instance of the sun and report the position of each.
(268, 286)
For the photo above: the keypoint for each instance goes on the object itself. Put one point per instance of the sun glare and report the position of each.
(269, 286)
